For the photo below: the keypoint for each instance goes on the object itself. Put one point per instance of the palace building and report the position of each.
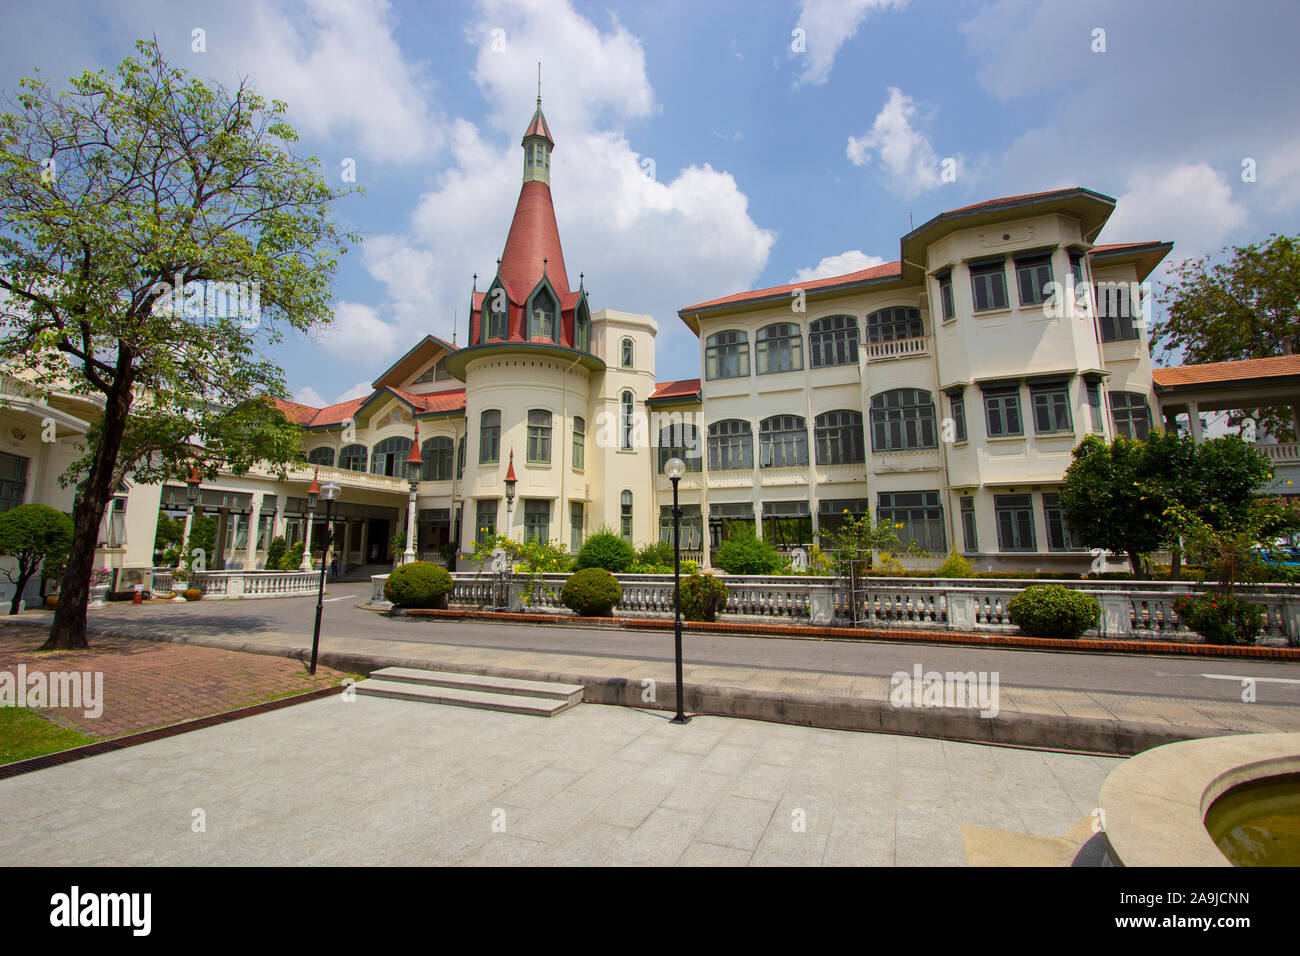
(943, 391)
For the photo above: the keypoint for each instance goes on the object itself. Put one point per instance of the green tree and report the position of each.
(203, 538)
(168, 535)
(135, 204)
(858, 536)
(1245, 307)
(33, 535)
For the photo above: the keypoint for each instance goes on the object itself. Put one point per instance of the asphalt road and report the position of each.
(1277, 682)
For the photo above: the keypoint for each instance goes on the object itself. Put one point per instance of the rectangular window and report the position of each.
(920, 514)
(988, 281)
(537, 521)
(838, 435)
(946, 304)
(902, 419)
(13, 480)
(460, 457)
(957, 403)
(579, 443)
(782, 442)
(833, 341)
(485, 520)
(692, 527)
(680, 440)
(1115, 312)
(1058, 534)
(539, 436)
(731, 445)
(575, 526)
(1076, 267)
(625, 516)
(787, 524)
(1051, 408)
(1131, 415)
(726, 519)
(1002, 409)
(1094, 407)
(779, 348)
(1015, 520)
(1033, 275)
(489, 437)
(970, 539)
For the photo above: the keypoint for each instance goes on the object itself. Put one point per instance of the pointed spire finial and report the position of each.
(544, 261)
(539, 82)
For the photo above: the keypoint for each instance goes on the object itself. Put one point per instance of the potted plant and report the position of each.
(99, 580)
(180, 581)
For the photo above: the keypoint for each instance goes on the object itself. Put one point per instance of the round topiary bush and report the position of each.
(1052, 610)
(604, 549)
(745, 554)
(702, 597)
(420, 584)
(1221, 619)
(193, 594)
(592, 592)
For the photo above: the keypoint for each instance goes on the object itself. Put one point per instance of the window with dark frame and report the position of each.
(1130, 415)
(902, 419)
(946, 302)
(537, 521)
(1033, 276)
(778, 348)
(838, 437)
(969, 529)
(921, 515)
(782, 442)
(988, 282)
(726, 355)
(1002, 412)
(1015, 522)
(1051, 404)
(833, 341)
(625, 515)
(889, 325)
(730, 445)
(489, 436)
(957, 406)
(1058, 532)
(680, 440)
(539, 436)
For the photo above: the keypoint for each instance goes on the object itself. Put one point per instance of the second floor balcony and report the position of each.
(896, 349)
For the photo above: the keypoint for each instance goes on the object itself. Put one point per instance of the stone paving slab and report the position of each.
(376, 781)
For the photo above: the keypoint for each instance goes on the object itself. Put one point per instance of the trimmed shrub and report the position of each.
(745, 554)
(193, 594)
(703, 596)
(591, 592)
(1221, 619)
(605, 549)
(955, 566)
(420, 584)
(292, 559)
(275, 553)
(1051, 610)
(660, 553)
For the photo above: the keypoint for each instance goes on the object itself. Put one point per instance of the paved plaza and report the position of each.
(373, 781)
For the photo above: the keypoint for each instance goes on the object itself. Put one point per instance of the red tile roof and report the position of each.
(538, 126)
(886, 271)
(296, 412)
(1004, 199)
(1216, 372)
(533, 236)
(337, 414)
(683, 388)
(450, 400)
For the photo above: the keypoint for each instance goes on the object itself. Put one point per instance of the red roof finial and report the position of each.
(510, 472)
(314, 489)
(414, 457)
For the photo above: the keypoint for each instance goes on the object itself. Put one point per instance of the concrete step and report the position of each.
(481, 682)
(461, 697)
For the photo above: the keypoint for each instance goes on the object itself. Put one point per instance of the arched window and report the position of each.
(731, 445)
(1131, 415)
(833, 341)
(489, 436)
(680, 440)
(436, 453)
(782, 442)
(778, 348)
(321, 456)
(353, 458)
(627, 419)
(902, 418)
(726, 355)
(579, 442)
(539, 436)
(541, 323)
(389, 457)
(900, 322)
(496, 310)
(628, 353)
(838, 435)
(625, 515)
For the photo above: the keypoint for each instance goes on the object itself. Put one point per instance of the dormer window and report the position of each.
(494, 307)
(542, 318)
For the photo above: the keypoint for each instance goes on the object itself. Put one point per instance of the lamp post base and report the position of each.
(680, 719)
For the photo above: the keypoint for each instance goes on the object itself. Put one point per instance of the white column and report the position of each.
(411, 512)
(254, 526)
(347, 545)
(306, 543)
(1194, 419)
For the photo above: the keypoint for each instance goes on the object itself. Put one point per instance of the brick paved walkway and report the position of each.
(148, 684)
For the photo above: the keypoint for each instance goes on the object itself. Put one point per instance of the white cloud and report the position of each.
(855, 260)
(908, 161)
(828, 25)
(309, 396)
(359, 334)
(339, 66)
(1192, 204)
(359, 390)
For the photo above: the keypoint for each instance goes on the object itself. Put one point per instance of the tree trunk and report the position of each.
(18, 595)
(1135, 563)
(1176, 565)
(68, 632)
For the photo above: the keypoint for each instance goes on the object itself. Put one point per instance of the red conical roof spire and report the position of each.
(414, 457)
(510, 472)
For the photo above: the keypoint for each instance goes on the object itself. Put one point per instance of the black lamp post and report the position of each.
(674, 468)
(329, 491)
(192, 493)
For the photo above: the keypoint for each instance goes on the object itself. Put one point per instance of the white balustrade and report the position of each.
(256, 584)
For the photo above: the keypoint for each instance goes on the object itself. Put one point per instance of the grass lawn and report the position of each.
(25, 734)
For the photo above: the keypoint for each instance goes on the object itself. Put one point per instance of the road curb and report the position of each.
(894, 635)
(1058, 732)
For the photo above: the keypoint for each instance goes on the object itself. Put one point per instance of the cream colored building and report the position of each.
(944, 391)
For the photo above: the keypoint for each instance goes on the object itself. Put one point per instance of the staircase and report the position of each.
(505, 694)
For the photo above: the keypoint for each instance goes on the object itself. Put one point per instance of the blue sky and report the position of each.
(699, 153)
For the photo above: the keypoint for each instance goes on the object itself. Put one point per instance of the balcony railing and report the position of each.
(1282, 453)
(349, 479)
(896, 348)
